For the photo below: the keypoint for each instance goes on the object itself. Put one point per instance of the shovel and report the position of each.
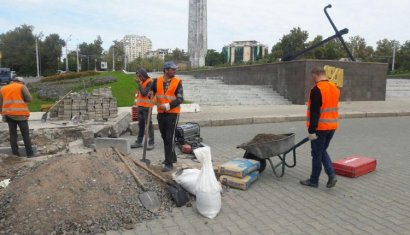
(144, 151)
(149, 199)
(44, 117)
(178, 194)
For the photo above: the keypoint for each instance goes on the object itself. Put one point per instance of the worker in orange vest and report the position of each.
(14, 111)
(144, 103)
(322, 122)
(169, 94)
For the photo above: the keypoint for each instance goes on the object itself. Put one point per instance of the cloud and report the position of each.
(166, 22)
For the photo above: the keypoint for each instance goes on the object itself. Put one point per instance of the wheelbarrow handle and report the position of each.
(302, 142)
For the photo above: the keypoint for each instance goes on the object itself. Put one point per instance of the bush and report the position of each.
(69, 75)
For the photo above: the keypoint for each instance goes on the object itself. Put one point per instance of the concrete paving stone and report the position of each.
(189, 231)
(113, 233)
(235, 230)
(174, 231)
(224, 233)
(168, 222)
(128, 232)
(121, 144)
(218, 228)
(354, 204)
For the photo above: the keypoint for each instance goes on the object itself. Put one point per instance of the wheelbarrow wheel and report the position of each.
(253, 157)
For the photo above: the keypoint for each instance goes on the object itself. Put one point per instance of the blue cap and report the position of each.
(170, 65)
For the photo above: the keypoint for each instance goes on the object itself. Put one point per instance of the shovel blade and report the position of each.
(146, 161)
(150, 201)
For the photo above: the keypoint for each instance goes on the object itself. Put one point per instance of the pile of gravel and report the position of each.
(86, 194)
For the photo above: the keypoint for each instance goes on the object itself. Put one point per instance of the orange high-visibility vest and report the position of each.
(143, 101)
(13, 102)
(329, 115)
(167, 97)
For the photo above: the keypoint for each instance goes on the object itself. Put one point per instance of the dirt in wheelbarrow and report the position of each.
(262, 138)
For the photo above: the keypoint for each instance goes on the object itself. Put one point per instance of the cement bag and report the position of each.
(187, 179)
(239, 168)
(239, 183)
(208, 189)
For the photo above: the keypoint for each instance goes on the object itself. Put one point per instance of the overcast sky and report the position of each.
(165, 22)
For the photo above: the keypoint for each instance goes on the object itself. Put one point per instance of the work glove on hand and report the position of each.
(312, 136)
(165, 107)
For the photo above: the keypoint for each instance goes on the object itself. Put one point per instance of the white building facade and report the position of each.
(136, 46)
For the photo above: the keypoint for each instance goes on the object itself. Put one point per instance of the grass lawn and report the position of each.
(123, 89)
(36, 103)
(405, 75)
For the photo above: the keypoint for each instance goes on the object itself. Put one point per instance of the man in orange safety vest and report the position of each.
(322, 122)
(169, 94)
(14, 110)
(144, 103)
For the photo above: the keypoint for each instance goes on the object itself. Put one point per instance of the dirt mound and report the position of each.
(89, 193)
(262, 138)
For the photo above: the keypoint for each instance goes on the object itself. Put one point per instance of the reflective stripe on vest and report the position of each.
(329, 115)
(143, 101)
(13, 103)
(168, 96)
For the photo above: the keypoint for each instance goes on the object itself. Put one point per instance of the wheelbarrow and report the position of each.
(280, 148)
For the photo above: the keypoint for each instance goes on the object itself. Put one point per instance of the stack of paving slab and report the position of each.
(98, 105)
(213, 91)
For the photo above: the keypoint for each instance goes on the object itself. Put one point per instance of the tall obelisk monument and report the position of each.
(197, 33)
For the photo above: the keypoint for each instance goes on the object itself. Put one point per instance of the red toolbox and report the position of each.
(354, 166)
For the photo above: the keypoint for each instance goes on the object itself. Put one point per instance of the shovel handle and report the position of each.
(150, 171)
(130, 169)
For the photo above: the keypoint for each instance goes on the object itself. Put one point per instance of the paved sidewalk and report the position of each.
(235, 115)
(238, 115)
(377, 203)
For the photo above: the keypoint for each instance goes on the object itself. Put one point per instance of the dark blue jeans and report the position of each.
(142, 119)
(320, 155)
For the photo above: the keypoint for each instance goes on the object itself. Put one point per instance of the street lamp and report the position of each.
(37, 57)
(394, 56)
(1, 42)
(66, 53)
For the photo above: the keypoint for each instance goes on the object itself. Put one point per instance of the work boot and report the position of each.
(173, 161)
(136, 145)
(150, 147)
(167, 168)
(16, 154)
(331, 182)
(309, 183)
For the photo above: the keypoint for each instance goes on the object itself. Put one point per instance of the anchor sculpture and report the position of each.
(338, 35)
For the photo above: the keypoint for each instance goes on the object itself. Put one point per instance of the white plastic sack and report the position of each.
(4, 183)
(208, 189)
(187, 179)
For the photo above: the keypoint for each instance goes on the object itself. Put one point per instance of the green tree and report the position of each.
(117, 49)
(293, 42)
(177, 56)
(384, 51)
(150, 64)
(213, 58)
(334, 50)
(18, 50)
(359, 48)
(403, 57)
(50, 51)
(91, 54)
(318, 52)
